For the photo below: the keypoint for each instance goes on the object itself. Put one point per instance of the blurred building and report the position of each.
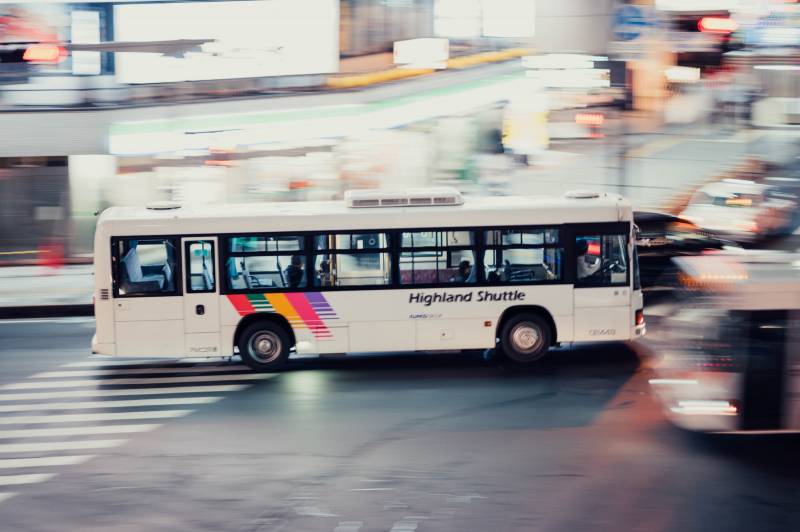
(124, 102)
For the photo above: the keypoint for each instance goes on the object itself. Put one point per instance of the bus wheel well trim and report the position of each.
(264, 316)
(528, 309)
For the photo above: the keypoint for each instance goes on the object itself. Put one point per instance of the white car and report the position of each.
(740, 210)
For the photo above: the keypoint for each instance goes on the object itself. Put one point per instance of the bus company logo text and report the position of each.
(481, 296)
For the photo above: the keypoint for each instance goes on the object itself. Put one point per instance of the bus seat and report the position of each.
(136, 280)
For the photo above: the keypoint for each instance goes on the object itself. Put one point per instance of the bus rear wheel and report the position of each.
(525, 338)
(264, 346)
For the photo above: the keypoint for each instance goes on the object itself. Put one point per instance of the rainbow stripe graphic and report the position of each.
(303, 310)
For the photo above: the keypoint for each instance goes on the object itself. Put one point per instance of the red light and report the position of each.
(44, 53)
(594, 249)
(717, 25)
(640, 317)
(590, 119)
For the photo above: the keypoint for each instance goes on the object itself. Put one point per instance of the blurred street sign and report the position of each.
(629, 22)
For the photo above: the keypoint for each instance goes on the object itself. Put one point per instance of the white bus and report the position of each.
(419, 270)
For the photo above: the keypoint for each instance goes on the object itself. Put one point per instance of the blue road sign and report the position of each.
(629, 22)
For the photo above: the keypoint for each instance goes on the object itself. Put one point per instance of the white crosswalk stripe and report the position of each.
(121, 392)
(45, 461)
(137, 371)
(77, 431)
(161, 362)
(15, 480)
(105, 416)
(47, 419)
(32, 385)
(49, 446)
(87, 405)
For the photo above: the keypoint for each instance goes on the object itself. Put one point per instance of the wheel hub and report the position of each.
(265, 347)
(526, 338)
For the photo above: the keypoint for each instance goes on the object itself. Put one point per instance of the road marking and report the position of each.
(139, 371)
(155, 380)
(14, 480)
(85, 405)
(78, 431)
(46, 461)
(6, 496)
(33, 396)
(653, 147)
(42, 447)
(76, 418)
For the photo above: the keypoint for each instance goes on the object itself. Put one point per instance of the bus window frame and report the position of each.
(567, 234)
(394, 250)
(598, 229)
(177, 271)
(187, 261)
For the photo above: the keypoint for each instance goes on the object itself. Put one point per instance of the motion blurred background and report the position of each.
(687, 107)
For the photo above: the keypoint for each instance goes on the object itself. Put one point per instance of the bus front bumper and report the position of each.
(102, 349)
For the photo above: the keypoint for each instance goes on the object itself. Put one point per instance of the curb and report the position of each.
(46, 311)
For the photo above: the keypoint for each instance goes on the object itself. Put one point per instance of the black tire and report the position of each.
(264, 346)
(525, 338)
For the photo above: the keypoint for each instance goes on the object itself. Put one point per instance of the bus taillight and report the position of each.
(640, 317)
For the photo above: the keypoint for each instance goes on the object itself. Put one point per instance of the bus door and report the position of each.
(148, 311)
(201, 296)
(602, 295)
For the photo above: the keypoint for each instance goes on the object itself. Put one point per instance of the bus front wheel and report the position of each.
(525, 338)
(264, 346)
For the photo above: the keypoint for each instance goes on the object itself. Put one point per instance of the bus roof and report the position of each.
(210, 219)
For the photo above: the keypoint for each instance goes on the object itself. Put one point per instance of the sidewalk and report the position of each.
(24, 286)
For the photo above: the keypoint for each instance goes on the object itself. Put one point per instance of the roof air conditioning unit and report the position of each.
(414, 197)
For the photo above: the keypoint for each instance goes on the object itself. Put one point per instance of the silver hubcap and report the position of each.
(526, 338)
(265, 347)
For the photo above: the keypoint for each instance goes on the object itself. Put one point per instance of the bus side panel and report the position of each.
(149, 326)
(468, 333)
(602, 314)
(315, 325)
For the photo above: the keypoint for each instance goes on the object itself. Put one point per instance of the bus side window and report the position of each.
(266, 262)
(352, 259)
(522, 255)
(601, 260)
(200, 266)
(437, 257)
(146, 267)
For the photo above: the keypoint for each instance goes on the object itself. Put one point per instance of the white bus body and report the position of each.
(361, 289)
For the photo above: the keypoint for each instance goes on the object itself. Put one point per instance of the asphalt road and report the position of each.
(425, 442)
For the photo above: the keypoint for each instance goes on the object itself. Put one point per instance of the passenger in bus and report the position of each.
(588, 265)
(464, 273)
(324, 274)
(295, 273)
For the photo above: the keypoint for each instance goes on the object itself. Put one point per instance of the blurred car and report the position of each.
(731, 354)
(662, 237)
(741, 210)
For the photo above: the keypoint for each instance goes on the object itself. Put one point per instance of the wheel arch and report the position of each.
(270, 317)
(528, 309)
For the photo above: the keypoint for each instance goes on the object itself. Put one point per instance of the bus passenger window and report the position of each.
(200, 265)
(266, 262)
(437, 257)
(522, 256)
(146, 267)
(601, 260)
(352, 259)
